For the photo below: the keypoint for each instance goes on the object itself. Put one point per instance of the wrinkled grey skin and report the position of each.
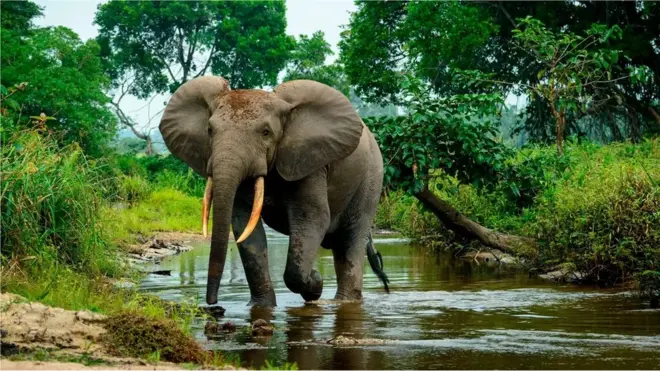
(323, 177)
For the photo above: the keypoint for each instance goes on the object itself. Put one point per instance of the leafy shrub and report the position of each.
(51, 202)
(604, 215)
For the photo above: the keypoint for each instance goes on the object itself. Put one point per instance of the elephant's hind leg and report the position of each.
(254, 255)
(348, 255)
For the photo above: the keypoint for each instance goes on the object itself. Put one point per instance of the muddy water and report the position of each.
(441, 314)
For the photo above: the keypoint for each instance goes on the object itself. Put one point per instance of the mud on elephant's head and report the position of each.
(232, 136)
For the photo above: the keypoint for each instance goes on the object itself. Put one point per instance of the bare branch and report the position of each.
(208, 62)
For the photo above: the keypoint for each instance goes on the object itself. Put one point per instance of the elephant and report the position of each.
(299, 159)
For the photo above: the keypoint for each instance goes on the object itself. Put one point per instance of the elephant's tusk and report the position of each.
(256, 209)
(206, 206)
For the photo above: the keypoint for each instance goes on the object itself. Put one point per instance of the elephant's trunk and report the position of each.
(227, 176)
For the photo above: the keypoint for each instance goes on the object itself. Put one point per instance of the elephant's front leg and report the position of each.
(254, 255)
(309, 218)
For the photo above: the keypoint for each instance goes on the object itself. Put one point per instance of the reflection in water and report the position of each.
(442, 314)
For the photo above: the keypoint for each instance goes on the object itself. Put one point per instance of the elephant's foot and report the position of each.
(310, 289)
(267, 301)
(348, 295)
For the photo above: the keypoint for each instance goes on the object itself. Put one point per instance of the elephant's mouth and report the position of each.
(254, 216)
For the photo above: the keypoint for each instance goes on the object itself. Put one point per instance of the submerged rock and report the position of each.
(563, 276)
(261, 327)
(346, 340)
(213, 327)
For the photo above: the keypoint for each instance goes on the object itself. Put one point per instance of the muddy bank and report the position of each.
(37, 336)
(6, 364)
(163, 244)
(28, 327)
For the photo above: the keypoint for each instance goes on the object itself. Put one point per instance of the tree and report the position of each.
(152, 47)
(59, 76)
(437, 136)
(433, 39)
(308, 62)
(571, 68)
(18, 15)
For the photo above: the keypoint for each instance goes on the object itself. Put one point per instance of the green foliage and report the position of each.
(51, 201)
(435, 39)
(454, 134)
(649, 285)
(133, 188)
(595, 209)
(308, 62)
(163, 172)
(59, 75)
(604, 215)
(18, 15)
(243, 41)
(164, 210)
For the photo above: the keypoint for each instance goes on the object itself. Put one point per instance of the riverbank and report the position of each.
(592, 213)
(43, 337)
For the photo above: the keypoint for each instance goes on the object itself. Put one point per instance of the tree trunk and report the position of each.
(149, 150)
(655, 115)
(465, 227)
(560, 126)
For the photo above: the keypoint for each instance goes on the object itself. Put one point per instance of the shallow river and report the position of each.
(441, 314)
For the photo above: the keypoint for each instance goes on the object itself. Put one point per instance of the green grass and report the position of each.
(164, 210)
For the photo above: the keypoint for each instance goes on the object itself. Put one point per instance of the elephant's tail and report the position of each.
(376, 262)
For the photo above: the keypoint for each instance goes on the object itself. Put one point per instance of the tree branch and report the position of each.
(208, 61)
(508, 16)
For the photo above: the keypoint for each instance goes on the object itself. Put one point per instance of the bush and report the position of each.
(51, 202)
(163, 172)
(603, 217)
(133, 188)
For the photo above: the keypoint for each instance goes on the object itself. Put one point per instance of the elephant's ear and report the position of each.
(184, 124)
(321, 127)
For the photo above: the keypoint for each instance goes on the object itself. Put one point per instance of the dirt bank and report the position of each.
(36, 336)
(55, 365)
(163, 244)
(58, 335)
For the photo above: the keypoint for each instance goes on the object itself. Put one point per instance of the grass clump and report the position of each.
(135, 335)
(133, 188)
(51, 202)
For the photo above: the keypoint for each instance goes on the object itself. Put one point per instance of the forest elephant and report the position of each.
(300, 159)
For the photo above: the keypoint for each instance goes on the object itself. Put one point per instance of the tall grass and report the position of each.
(51, 202)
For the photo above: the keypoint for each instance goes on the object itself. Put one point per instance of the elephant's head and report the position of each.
(232, 136)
